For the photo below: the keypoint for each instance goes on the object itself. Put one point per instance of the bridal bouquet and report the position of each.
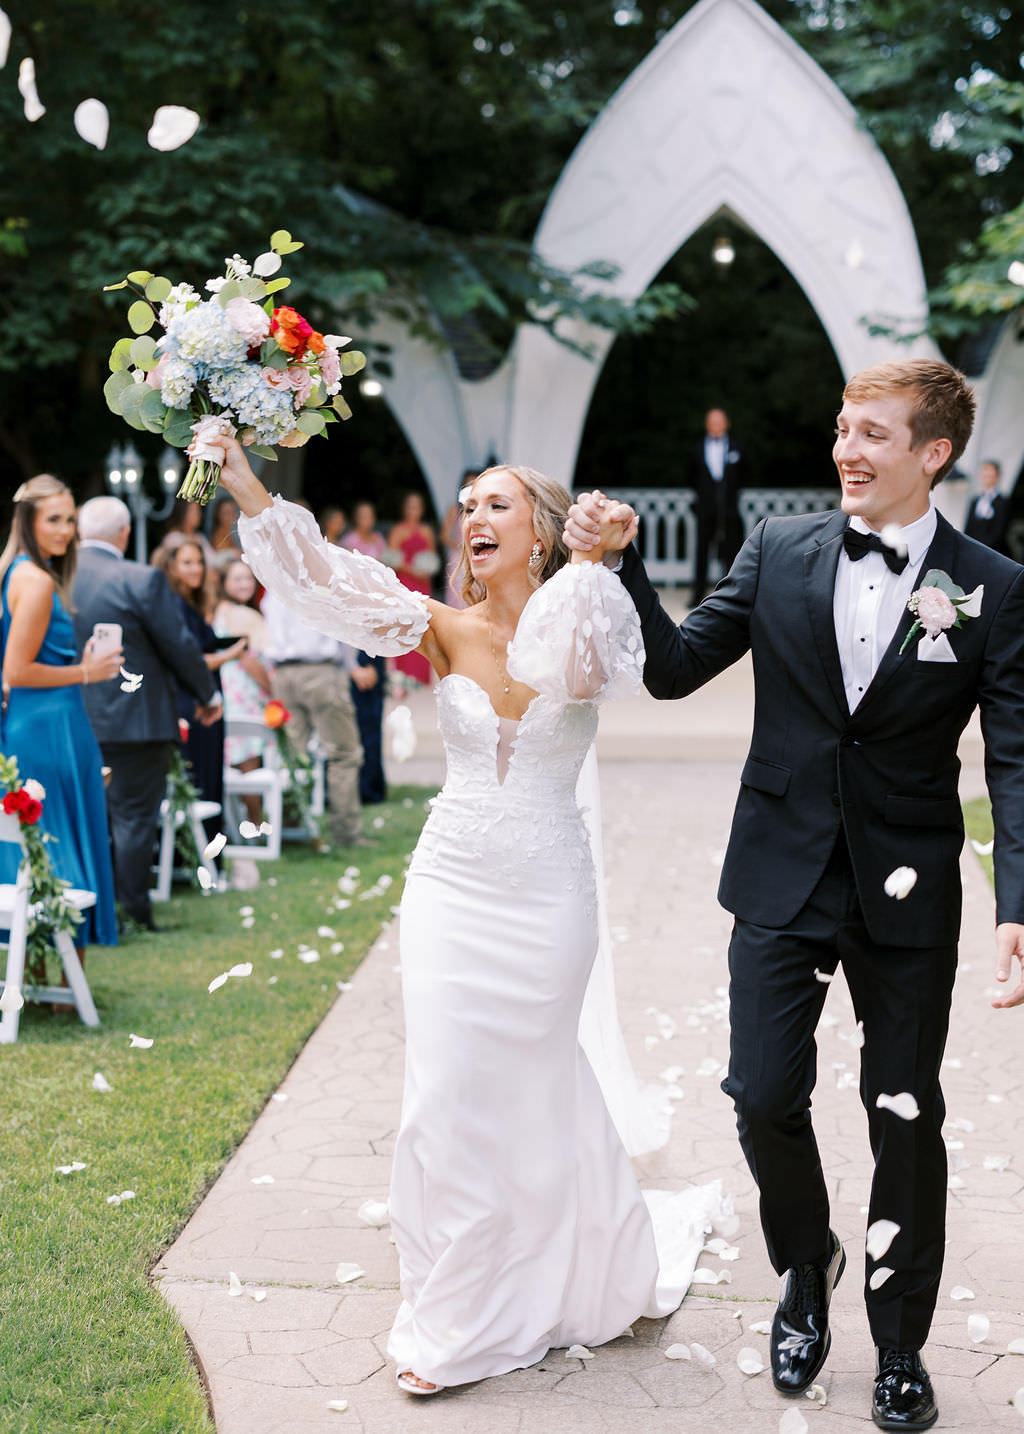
(232, 363)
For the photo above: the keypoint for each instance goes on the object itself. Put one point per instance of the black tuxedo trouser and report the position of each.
(902, 995)
(138, 783)
(718, 524)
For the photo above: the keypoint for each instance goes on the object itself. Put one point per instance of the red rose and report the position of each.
(31, 811)
(183, 729)
(275, 714)
(16, 801)
(290, 331)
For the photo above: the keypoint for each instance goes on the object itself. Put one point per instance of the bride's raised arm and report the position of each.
(345, 594)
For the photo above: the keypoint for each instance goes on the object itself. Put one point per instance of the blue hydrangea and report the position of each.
(177, 380)
(270, 411)
(206, 338)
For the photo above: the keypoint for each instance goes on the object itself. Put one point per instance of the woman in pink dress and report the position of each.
(414, 540)
(364, 535)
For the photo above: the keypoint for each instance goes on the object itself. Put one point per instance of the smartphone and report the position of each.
(106, 638)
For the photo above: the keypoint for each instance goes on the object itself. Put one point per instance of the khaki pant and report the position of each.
(317, 696)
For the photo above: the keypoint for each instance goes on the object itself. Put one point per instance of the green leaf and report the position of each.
(120, 355)
(936, 578)
(340, 407)
(140, 317)
(327, 415)
(131, 405)
(178, 428)
(253, 289)
(277, 284)
(116, 384)
(139, 276)
(263, 450)
(109, 288)
(272, 356)
(351, 361)
(143, 351)
(311, 422)
(279, 237)
(291, 248)
(152, 410)
(157, 289)
(231, 290)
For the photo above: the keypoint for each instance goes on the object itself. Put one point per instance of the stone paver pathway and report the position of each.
(273, 1366)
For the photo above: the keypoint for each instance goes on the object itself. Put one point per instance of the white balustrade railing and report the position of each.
(668, 523)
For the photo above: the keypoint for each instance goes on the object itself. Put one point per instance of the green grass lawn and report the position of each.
(978, 822)
(85, 1343)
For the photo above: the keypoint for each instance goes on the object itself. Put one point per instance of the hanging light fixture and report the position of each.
(723, 251)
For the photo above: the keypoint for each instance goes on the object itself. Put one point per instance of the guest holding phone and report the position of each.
(44, 723)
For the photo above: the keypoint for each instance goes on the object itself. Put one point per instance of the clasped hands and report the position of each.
(597, 526)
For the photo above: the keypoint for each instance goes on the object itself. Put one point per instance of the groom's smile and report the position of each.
(885, 478)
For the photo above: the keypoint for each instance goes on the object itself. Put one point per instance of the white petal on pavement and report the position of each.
(750, 1362)
(904, 1105)
(901, 882)
(996, 1162)
(234, 1284)
(961, 1292)
(1016, 1346)
(880, 1236)
(346, 1273)
(978, 1326)
(678, 1351)
(792, 1422)
(816, 1394)
(374, 1213)
(338, 1405)
(760, 1326)
(579, 1351)
(703, 1356)
(262, 1180)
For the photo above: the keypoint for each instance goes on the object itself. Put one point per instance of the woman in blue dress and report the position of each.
(43, 722)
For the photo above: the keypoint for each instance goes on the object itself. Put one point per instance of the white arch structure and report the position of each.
(727, 112)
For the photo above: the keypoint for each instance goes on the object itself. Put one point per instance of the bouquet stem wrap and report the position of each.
(203, 476)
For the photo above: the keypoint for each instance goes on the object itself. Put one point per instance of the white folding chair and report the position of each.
(16, 909)
(170, 822)
(267, 782)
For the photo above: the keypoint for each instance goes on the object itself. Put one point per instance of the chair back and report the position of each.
(242, 727)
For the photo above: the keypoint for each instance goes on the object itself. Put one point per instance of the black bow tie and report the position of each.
(858, 545)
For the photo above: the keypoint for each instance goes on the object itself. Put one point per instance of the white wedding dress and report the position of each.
(517, 1217)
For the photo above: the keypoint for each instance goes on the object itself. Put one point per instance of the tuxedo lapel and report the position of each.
(940, 554)
(820, 564)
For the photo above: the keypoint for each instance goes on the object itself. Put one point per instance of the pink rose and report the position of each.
(295, 439)
(330, 368)
(249, 319)
(935, 612)
(301, 381)
(276, 378)
(155, 376)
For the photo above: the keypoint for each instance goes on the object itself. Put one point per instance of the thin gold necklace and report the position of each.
(502, 670)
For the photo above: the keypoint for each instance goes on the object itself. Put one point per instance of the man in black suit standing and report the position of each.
(875, 632)
(715, 478)
(136, 730)
(989, 512)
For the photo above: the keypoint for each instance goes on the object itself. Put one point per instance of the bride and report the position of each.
(516, 1214)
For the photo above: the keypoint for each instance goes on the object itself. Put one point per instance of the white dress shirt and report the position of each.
(290, 640)
(869, 601)
(715, 453)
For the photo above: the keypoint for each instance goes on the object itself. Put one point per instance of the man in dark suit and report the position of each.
(852, 775)
(715, 478)
(989, 512)
(136, 730)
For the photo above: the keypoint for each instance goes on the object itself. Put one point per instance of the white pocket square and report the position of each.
(935, 649)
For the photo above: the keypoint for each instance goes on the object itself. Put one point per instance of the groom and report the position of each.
(852, 773)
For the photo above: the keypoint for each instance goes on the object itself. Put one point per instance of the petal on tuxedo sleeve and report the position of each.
(345, 594)
(579, 638)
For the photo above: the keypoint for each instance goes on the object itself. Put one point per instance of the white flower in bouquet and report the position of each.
(177, 382)
(206, 337)
(177, 301)
(249, 319)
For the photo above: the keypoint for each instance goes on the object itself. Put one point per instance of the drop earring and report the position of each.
(536, 554)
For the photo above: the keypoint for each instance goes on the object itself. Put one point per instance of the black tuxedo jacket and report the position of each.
(156, 643)
(705, 486)
(990, 531)
(888, 771)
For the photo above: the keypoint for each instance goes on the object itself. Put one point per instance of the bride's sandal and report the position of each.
(413, 1384)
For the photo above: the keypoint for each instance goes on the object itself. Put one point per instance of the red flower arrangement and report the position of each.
(275, 714)
(22, 804)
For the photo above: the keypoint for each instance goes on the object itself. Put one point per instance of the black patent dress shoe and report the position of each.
(903, 1397)
(800, 1337)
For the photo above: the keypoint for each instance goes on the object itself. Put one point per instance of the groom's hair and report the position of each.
(941, 401)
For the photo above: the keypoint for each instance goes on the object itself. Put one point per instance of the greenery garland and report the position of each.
(180, 795)
(299, 767)
(53, 913)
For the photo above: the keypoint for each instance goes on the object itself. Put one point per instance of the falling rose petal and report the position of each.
(374, 1212)
(857, 1039)
(879, 1277)
(34, 109)
(266, 829)
(248, 830)
(345, 1274)
(243, 968)
(234, 1284)
(132, 681)
(215, 847)
(338, 1405)
(5, 38)
(248, 922)
(761, 1326)
(217, 982)
(92, 122)
(173, 126)
(904, 1105)
(961, 1292)
(11, 999)
(792, 1422)
(816, 1394)
(141, 1043)
(901, 882)
(983, 848)
(100, 1082)
(204, 878)
(880, 1236)
(892, 536)
(1016, 1346)
(266, 264)
(262, 1180)
(579, 1351)
(825, 977)
(703, 1356)
(678, 1351)
(996, 1162)
(978, 1326)
(750, 1362)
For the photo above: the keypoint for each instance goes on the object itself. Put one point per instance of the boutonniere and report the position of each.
(938, 605)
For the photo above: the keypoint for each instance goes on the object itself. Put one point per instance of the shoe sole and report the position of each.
(902, 1423)
(796, 1389)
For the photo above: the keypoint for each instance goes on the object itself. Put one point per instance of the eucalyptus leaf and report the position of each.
(231, 290)
(328, 415)
(291, 248)
(143, 350)
(115, 385)
(178, 428)
(131, 400)
(311, 422)
(253, 289)
(140, 317)
(263, 450)
(157, 289)
(279, 237)
(120, 355)
(139, 276)
(271, 356)
(936, 578)
(152, 410)
(109, 288)
(352, 361)
(340, 407)
(277, 284)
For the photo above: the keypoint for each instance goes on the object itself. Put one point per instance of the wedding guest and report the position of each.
(332, 523)
(414, 540)
(137, 729)
(517, 1217)
(43, 723)
(989, 512)
(245, 683)
(223, 534)
(187, 517)
(364, 536)
(715, 478)
(181, 560)
(451, 540)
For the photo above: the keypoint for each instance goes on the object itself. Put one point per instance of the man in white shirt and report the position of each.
(310, 675)
(715, 479)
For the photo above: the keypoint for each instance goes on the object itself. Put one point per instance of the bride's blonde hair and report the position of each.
(550, 503)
